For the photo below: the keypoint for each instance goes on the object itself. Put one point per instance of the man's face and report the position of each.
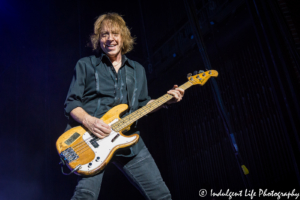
(110, 41)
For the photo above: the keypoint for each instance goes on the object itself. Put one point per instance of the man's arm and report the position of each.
(177, 96)
(95, 125)
(101, 129)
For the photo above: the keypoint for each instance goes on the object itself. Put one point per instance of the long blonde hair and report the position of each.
(116, 22)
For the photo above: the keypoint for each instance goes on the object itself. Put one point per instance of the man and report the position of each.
(100, 83)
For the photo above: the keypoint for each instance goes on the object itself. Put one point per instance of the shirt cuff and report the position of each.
(143, 103)
(70, 106)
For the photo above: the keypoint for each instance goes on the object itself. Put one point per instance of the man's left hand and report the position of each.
(177, 94)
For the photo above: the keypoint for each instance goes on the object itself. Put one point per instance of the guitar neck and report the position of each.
(131, 118)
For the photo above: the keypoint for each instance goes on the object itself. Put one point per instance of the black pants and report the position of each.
(140, 170)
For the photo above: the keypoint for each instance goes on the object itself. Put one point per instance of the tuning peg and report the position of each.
(189, 75)
(195, 72)
(201, 71)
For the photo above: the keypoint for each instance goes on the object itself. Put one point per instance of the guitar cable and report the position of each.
(62, 163)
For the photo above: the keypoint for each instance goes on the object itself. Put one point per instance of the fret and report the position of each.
(131, 118)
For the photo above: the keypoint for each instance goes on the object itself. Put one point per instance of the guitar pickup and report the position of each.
(94, 142)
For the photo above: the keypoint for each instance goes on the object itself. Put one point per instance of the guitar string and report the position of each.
(92, 137)
(127, 122)
(82, 145)
(135, 116)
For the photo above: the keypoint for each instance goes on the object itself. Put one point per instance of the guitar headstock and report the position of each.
(202, 77)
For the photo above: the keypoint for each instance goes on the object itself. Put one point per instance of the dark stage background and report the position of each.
(253, 44)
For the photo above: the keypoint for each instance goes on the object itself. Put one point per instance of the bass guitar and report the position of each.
(86, 154)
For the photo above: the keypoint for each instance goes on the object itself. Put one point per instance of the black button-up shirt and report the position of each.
(83, 91)
(112, 87)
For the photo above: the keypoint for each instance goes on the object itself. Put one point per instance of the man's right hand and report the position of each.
(96, 126)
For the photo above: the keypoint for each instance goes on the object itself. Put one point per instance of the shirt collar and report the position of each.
(124, 60)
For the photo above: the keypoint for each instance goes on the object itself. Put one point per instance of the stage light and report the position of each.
(212, 22)
(174, 55)
(191, 37)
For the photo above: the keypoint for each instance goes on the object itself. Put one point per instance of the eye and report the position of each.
(104, 34)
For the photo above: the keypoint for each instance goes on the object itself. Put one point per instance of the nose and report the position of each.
(110, 36)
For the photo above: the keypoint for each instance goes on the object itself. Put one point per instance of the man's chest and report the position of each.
(105, 81)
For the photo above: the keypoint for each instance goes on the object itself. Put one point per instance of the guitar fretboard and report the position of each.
(129, 119)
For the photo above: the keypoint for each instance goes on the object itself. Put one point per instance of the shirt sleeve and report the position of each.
(76, 90)
(144, 98)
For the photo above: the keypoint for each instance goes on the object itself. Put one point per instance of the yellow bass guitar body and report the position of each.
(87, 154)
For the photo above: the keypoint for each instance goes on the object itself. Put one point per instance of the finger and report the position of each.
(98, 133)
(175, 86)
(180, 95)
(100, 123)
(176, 96)
(103, 127)
(180, 90)
(177, 93)
(172, 92)
(105, 130)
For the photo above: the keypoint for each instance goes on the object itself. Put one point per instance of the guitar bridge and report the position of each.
(69, 155)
